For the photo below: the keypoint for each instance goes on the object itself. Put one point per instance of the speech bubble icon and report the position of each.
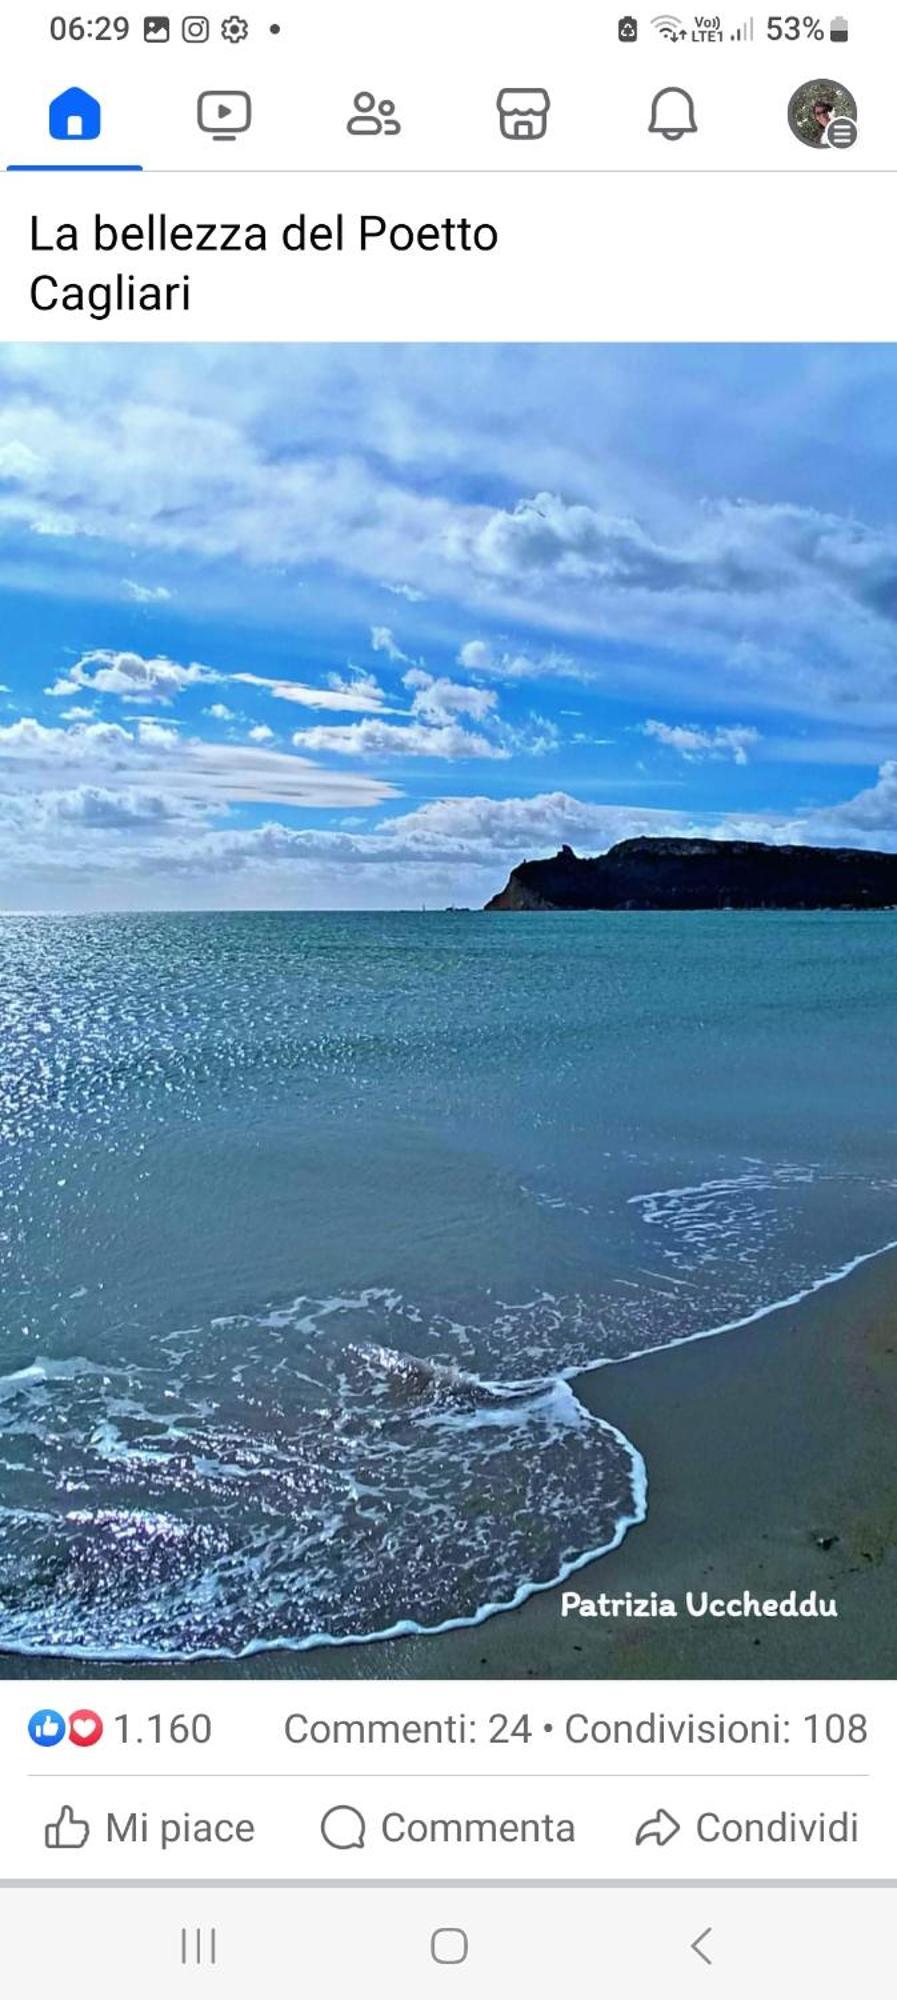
(343, 1827)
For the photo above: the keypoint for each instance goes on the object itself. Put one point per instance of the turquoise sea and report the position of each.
(308, 1222)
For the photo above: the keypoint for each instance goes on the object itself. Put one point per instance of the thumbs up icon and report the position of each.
(67, 1831)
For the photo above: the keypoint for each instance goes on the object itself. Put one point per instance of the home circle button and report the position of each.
(449, 1947)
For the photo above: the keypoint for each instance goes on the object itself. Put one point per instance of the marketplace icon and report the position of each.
(523, 114)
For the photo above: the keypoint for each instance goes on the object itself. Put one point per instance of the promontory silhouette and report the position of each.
(677, 874)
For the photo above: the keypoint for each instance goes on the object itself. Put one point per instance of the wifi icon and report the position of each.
(670, 26)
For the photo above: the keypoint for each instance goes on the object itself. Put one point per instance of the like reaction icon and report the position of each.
(47, 1728)
(67, 1831)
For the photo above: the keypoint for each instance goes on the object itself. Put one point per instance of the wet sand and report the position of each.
(772, 1465)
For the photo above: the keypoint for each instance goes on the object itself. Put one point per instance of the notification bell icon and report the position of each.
(673, 114)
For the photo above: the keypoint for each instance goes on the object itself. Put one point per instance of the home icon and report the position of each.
(75, 115)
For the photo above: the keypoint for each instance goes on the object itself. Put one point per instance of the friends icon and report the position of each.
(371, 120)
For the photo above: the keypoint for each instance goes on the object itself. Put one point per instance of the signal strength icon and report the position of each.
(745, 33)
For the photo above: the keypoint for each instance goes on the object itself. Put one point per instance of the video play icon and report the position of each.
(224, 113)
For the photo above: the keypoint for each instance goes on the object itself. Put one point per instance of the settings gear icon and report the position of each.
(234, 28)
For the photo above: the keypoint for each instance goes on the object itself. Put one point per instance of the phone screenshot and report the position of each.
(448, 985)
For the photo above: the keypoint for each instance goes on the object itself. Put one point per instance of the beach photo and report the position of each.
(448, 986)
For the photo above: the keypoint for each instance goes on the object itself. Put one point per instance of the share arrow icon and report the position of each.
(662, 1827)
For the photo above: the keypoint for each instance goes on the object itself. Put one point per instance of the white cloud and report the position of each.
(793, 605)
(357, 695)
(145, 593)
(507, 830)
(548, 534)
(440, 709)
(131, 676)
(595, 558)
(152, 843)
(427, 846)
(18, 461)
(55, 527)
(795, 608)
(374, 738)
(696, 744)
(94, 807)
(482, 656)
(405, 590)
(160, 734)
(136, 679)
(147, 474)
(439, 700)
(383, 641)
(434, 728)
(155, 758)
(360, 689)
(537, 737)
(493, 832)
(220, 712)
(870, 812)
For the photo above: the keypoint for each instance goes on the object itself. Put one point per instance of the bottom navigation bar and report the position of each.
(468, 1941)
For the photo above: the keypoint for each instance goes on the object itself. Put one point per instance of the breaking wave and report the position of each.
(365, 1503)
(330, 1471)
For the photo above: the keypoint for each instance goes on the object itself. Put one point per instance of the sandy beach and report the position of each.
(771, 1453)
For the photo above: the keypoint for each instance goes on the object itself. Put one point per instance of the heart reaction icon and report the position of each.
(85, 1728)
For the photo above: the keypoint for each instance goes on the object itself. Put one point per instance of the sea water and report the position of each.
(309, 1223)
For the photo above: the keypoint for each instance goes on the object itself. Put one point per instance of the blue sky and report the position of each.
(362, 626)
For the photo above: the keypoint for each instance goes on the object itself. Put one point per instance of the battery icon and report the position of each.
(840, 31)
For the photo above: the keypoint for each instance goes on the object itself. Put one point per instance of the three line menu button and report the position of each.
(199, 1946)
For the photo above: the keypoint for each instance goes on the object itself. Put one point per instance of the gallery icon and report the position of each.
(673, 114)
(224, 113)
(75, 115)
(371, 120)
(523, 114)
(196, 28)
(85, 1728)
(47, 1728)
(156, 28)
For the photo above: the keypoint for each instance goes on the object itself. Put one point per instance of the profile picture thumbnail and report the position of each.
(818, 105)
